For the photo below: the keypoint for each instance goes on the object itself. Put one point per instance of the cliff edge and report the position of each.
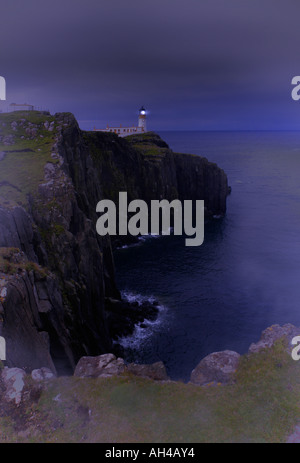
(58, 296)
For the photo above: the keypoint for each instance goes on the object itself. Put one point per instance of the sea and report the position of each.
(244, 278)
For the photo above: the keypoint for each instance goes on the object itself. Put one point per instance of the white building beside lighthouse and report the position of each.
(125, 131)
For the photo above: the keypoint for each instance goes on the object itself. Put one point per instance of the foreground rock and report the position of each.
(217, 367)
(109, 365)
(15, 388)
(13, 382)
(272, 334)
(101, 365)
(220, 367)
(42, 374)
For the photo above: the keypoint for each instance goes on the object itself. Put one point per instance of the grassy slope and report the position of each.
(144, 144)
(22, 171)
(262, 406)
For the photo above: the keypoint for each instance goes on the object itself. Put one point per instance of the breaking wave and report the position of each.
(143, 238)
(145, 330)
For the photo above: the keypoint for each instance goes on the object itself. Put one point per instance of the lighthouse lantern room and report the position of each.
(142, 119)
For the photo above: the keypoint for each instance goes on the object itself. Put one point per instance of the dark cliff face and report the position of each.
(145, 167)
(57, 283)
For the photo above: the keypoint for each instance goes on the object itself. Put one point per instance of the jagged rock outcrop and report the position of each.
(16, 231)
(107, 365)
(122, 316)
(102, 365)
(31, 310)
(59, 300)
(220, 367)
(271, 334)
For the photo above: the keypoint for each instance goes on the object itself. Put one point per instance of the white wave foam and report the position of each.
(142, 331)
(139, 298)
(142, 238)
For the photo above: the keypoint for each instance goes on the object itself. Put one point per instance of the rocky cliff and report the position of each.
(58, 297)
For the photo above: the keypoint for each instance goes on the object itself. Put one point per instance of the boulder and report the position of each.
(217, 367)
(42, 374)
(102, 365)
(272, 334)
(13, 382)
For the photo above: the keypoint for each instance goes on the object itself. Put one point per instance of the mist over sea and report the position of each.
(246, 275)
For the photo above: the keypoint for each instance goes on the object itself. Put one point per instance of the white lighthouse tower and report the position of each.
(142, 119)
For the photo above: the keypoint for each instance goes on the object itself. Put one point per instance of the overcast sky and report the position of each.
(194, 64)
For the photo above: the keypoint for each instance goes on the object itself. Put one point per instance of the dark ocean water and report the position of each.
(246, 275)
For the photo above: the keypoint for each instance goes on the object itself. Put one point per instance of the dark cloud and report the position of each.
(195, 63)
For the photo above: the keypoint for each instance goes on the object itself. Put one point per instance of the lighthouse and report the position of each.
(142, 119)
(122, 131)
